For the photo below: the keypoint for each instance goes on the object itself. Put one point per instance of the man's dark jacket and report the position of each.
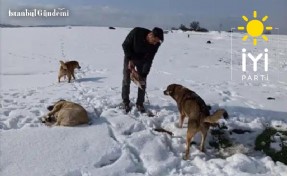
(137, 49)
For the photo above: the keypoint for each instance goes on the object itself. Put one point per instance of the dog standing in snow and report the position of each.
(68, 69)
(199, 119)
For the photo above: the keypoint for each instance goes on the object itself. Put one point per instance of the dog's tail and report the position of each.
(216, 116)
(63, 65)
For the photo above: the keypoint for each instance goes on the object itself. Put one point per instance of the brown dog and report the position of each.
(66, 113)
(191, 105)
(68, 68)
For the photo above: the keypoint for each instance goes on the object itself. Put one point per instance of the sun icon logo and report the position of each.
(255, 28)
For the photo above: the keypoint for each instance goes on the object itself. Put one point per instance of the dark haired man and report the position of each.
(140, 47)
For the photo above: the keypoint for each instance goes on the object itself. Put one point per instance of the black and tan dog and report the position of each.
(66, 113)
(68, 69)
(199, 119)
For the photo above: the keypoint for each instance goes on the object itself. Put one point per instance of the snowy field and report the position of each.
(116, 144)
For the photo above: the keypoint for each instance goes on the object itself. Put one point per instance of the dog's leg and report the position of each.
(73, 75)
(181, 119)
(59, 78)
(189, 136)
(69, 77)
(181, 116)
(192, 129)
(57, 123)
(59, 120)
(203, 137)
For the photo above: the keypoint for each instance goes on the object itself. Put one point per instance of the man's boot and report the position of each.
(127, 107)
(141, 108)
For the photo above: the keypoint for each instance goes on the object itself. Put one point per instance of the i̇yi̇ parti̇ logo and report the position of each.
(254, 29)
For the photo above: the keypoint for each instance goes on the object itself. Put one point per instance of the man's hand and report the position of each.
(142, 81)
(131, 65)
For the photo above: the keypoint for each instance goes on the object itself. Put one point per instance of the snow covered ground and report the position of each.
(118, 144)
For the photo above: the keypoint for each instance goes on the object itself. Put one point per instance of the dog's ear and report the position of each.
(59, 101)
(50, 108)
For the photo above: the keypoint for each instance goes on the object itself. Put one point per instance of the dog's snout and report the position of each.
(165, 92)
(79, 67)
(49, 119)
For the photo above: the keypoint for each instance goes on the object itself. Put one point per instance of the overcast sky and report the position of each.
(150, 13)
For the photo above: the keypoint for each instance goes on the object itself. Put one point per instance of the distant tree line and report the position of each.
(8, 26)
(194, 26)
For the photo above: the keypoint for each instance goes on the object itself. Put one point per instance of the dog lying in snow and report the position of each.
(66, 113)
(192, 105)
(68, 69)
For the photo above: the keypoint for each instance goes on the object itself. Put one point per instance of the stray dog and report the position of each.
(199, 119)
(67, 69)
(66, 113)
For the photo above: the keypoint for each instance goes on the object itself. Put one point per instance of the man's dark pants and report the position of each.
(126, 84)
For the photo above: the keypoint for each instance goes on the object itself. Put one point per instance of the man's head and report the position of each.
(155, 36)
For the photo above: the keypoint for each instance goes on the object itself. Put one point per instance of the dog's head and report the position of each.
(50, 108)
(74, 64)
(77, 65)
(170, 90)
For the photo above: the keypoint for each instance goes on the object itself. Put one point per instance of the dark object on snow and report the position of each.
(163, 131)
(112, 28)
(264, 140)
(240, 131)
(270, 98)
(208, 42)
(220, 139)
(150, 114)
(225, 115)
